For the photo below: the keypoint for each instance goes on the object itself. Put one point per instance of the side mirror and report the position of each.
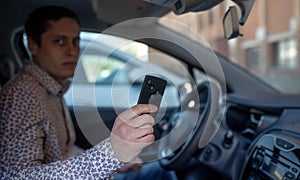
(231, 23)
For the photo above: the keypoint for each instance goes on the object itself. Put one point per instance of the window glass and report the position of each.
(104, 61)
(115, 67)
(167, 62)
(269, 47)
(101, 69)
(253, 59)
(112, 60)
(286, 54)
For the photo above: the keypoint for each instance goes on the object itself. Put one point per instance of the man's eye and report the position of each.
(58, 41)
(76, 42)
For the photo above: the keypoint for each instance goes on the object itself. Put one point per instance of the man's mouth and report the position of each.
(69, 64)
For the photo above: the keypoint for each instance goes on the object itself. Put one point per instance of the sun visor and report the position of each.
(115, 11)
(183, 6)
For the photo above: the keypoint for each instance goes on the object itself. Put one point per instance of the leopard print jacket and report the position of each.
(36, 140)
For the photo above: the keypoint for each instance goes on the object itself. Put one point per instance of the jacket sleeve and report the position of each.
(98, 162)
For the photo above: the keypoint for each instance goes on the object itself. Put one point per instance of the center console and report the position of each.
(274, 156)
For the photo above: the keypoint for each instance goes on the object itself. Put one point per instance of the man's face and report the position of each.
(59, 49)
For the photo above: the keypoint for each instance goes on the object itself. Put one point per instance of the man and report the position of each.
(36, 136)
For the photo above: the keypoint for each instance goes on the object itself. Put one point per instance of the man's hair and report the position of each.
(38, 20)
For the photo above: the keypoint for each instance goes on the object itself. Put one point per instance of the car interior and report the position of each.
(216, 120)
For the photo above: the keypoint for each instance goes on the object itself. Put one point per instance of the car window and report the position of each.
(107, 59)
(116, 67)
(105, 70)
(269, 47)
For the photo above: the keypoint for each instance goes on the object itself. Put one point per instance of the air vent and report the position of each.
(253, 124)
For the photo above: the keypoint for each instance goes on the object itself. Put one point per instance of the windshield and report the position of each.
(269, 47)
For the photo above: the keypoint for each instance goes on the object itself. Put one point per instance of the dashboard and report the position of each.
(259, 138)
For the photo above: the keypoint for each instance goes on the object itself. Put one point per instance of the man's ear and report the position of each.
(33, 46)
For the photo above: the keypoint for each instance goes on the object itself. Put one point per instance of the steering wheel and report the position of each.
(190, 129)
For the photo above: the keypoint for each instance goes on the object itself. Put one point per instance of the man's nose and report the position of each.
(72, 49)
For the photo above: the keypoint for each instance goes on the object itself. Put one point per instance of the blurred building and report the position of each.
(270, 45)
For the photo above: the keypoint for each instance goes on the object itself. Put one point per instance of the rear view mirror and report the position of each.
(231, 23)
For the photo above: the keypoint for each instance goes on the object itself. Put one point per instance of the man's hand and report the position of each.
(132, 131)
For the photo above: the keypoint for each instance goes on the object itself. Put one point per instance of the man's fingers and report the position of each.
(137, 110)
(148, 139)
(134, 135)
(141, 132)
(141, 121)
